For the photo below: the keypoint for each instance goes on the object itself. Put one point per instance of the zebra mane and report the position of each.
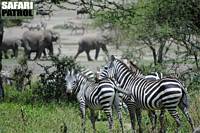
(124, 65)
(135, 66)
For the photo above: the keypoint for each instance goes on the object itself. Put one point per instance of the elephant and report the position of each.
(38, 41)
(10, 43)
(89, 43)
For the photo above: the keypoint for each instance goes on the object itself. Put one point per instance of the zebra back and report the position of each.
(88, 73)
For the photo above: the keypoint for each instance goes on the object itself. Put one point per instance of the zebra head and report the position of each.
(103, 73)
(107, 71)
(71, 81)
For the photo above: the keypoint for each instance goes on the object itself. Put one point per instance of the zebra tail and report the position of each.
(123, 91)
(184, 100)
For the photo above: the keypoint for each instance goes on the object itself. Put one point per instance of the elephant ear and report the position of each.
(107, 38)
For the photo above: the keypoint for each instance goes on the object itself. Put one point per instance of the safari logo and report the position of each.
(15, 10)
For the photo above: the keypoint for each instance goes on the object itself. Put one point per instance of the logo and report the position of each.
(15, 10)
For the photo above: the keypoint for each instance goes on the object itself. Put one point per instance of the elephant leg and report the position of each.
(29, 54)
(88, 55)
(38, 54)
(51, 50)
(15, 52)
(80, 50)
(105, 50)
(44, 52)
(97, 53)
(5, 54)
(27, 49)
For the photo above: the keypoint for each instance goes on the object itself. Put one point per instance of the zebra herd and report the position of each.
(121, 81)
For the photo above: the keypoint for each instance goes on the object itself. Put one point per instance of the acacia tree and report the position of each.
(183, 17)
(158, 24)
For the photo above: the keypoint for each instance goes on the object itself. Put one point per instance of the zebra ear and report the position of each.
(112, 58)
(72, 72)
(67, 72)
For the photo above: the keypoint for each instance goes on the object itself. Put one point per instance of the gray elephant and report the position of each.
(10, 43)
(90, 43)
(38, 41)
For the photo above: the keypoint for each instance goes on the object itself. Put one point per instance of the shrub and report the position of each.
(51, 85)
(22, 75)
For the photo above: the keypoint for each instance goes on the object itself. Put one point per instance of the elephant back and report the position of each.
(35, 35)
(9, 43)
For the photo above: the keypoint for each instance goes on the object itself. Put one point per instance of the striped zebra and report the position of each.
(88, 73)
(152, 77)
(93, 77)
(137, 72)
(97, 96)
(164, 94)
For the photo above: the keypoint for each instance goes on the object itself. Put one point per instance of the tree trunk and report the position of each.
(1, 38)
(196, 59)
(160, 51)
(150, 45)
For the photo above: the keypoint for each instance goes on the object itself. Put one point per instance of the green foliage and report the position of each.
(192, 80)
(12, 22)
(22, 75)
(133, 54)
(117, 17)
(12, 95)
(51, 85)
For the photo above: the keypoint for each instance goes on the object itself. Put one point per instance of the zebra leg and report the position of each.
(92, 119)
(187, 115)
(139, 119)
(99, 115)
(108, 112)
(132, 116)
(161, 118)
(125, 107)
(153, 118)
(82, 109)
(118, 107)
(175, 115)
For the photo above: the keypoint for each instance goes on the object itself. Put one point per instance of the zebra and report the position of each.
(163, 94)
(96, 96)
(137, 72)
(152, 76)
(88, 73)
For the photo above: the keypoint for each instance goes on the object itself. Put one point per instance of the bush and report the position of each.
(22, 75)
(13, 22)
(51, 85)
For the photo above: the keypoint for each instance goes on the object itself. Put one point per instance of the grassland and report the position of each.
(21, 114)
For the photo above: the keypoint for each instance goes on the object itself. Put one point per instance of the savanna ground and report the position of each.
(20, 113)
